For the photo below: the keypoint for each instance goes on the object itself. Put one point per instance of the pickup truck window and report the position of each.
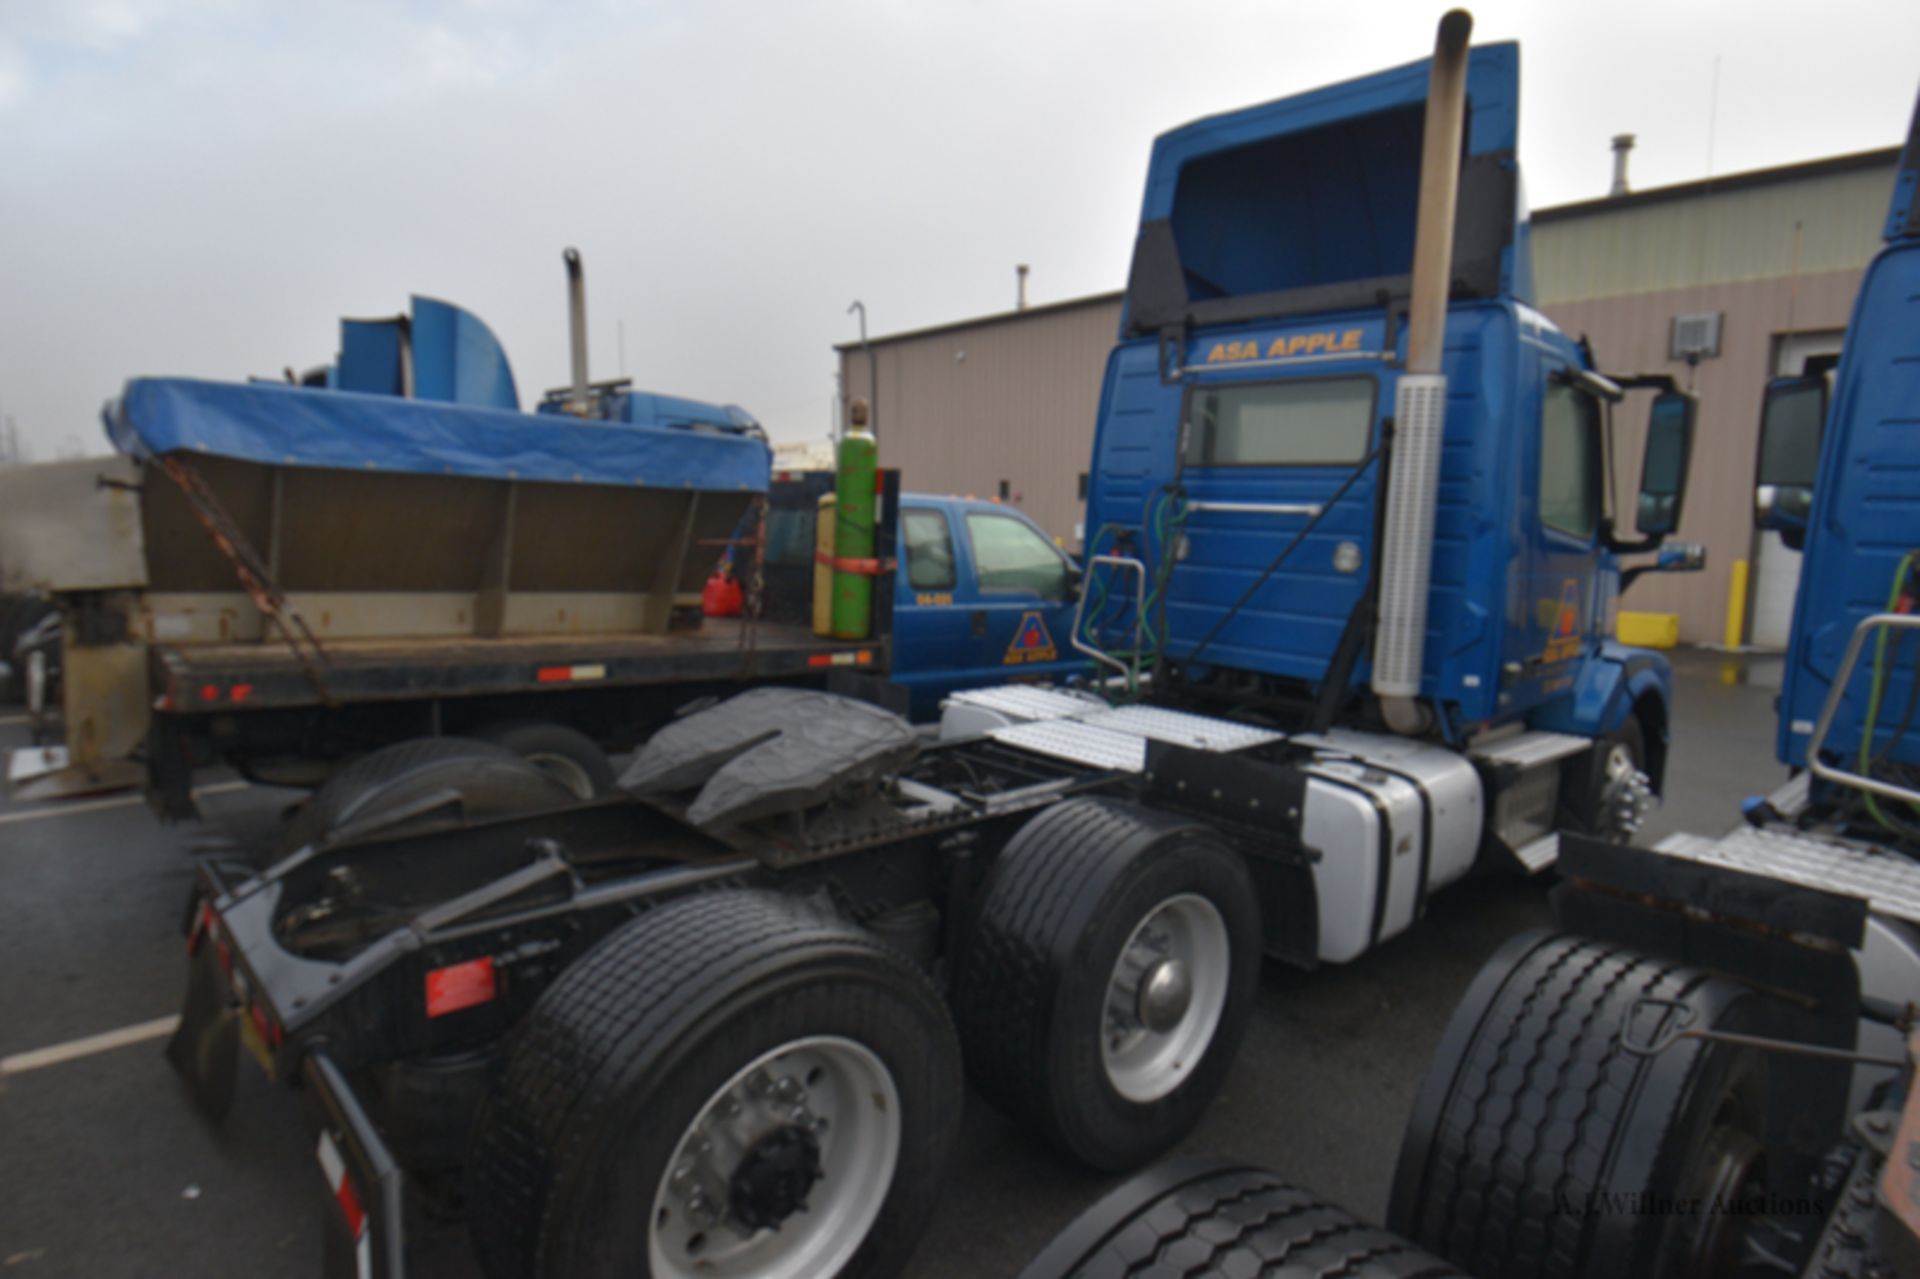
(1322, 422)
(1569, 460)
(1009, 555)
(929, 550)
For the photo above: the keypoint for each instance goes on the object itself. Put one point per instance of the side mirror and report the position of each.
(1663, 468)
(1792, 416)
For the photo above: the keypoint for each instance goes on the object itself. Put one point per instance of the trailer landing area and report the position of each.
(107, 1170)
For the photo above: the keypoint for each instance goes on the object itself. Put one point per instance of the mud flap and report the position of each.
(365, 1236)
(205, 1048)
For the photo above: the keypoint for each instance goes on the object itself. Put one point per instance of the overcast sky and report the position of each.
(202, 187)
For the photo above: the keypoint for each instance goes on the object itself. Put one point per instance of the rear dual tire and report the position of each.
(660, 1110)
(1109, 978)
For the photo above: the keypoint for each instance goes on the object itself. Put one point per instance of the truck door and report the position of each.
(1258, 460)
(1021, 610)
(1551, 616)
(930, 634)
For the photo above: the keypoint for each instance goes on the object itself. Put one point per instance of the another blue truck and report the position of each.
(1709, 1068)
(1353, 554)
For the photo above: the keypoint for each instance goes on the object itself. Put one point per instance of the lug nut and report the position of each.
(700, 1212)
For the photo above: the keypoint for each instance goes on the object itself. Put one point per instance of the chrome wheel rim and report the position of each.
(784, 1170)
(1165, 998)
(1626, 795)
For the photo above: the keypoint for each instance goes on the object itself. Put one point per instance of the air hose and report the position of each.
(1880, 664)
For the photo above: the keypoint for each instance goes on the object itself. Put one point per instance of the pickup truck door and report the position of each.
(982, 597)
(1021, 612)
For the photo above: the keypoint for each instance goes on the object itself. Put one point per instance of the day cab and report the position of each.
(1255, 451)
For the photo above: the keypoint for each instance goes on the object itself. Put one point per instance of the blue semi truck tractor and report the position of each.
(1354, 548)
(1708, 1069)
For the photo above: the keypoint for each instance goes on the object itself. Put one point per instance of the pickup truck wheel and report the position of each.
(567, 755)
(1109, 978)
(490, 781)
(1210, 1219)
(1606, 790)
(733, 1084)
(1538, 1139)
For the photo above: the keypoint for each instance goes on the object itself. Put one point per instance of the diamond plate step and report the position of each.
(1201, 732)
(1530, 750)
(1889, 882)
(1541, 853)
(1078, 743)
(1027, 702)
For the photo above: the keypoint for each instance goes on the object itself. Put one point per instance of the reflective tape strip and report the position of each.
(862, 658)
(569, 674)
(344, 1194)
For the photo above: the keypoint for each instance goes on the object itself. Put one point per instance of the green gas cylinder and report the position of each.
(855, 502)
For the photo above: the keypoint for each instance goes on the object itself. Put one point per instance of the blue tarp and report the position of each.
(300, 426)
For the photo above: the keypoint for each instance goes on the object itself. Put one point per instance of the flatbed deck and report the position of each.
(268, 675)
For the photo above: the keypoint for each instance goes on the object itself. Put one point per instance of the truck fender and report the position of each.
(1612, 684)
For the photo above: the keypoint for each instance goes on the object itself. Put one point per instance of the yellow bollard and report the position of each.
(1737, 604)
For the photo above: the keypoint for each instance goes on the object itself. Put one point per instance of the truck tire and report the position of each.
(659, 1110)
(1605, 791)
(1208, 1218)
(567, 755)
(1540, 1146)
(491, 780)
(1109, 978)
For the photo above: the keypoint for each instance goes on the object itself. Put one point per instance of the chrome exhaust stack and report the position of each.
(1406, 559)
(580, 402)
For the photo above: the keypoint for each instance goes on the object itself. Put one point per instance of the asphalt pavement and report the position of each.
(107, 1171)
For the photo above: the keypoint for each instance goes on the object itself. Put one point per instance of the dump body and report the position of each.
(277, 575)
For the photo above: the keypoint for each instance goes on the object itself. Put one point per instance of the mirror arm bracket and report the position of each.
(1637, 546)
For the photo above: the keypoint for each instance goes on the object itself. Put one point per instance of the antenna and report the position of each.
(1713, 112)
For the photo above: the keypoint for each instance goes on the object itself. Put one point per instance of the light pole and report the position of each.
(873, 373)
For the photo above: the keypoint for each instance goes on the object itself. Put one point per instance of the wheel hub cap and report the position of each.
(772, 1180)
(1166, 992)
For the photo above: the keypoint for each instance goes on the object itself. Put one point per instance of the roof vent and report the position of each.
(1696, 336)
(1622, 147)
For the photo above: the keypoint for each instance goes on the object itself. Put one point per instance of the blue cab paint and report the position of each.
(1866, 505)
(1271, 267)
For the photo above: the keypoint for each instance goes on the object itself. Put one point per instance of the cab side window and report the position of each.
(1010, 556)
(1570, 463)
(929, 550)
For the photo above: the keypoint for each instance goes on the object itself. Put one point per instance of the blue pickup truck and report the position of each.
(981, 596)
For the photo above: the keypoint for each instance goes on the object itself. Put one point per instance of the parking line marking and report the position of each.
(21, 1063)
(58, 809)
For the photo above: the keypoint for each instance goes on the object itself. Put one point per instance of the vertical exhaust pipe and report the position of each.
(1406, 561)
(580, 402)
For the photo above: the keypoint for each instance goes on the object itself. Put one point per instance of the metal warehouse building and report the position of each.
(1721, 282)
